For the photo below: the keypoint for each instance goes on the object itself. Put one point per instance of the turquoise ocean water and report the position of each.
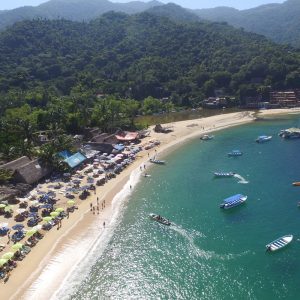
(208, 253)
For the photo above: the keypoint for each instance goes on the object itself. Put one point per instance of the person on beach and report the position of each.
(8, 236)
(97, 200)
(93, 210)
(103, 224)
(141, 168)
(91, 206)
(98, 209)
(130, 187)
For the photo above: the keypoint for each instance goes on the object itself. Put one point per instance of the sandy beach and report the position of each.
(24, 279)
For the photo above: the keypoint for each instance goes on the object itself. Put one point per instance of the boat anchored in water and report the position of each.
(206, 137)
(224, 174)
(235, 153)
(279, 243)
(233, 201)
(160, 219)
(290, 133)
(297, 183)
(263, 138)
(157, 161)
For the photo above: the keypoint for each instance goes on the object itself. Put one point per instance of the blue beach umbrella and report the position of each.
(33, 215)
(47, 206)
(18, 227)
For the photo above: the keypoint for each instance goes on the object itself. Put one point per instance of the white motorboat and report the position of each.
(160, 219)
(279, 243)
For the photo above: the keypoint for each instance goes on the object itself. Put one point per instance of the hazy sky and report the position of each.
(240, 4)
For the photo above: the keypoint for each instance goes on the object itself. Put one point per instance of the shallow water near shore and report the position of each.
(207, 253)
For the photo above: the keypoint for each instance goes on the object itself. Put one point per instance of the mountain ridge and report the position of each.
(144, 55)
(75, 10)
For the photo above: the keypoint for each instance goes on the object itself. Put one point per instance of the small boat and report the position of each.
(206, 137)
(235, 153)
(263, 138)
(290, 133)
(224, 174)
(279, 243)
(160, 219)
(233, 201)
(297, 183)
(147, 175)
(156, 161)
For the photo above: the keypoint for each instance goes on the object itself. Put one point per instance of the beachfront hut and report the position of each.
(103, 147)
(26, 170)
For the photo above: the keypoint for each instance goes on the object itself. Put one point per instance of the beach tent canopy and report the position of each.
(127, 136)
(65, 154)
(119, 147)
(75, 160)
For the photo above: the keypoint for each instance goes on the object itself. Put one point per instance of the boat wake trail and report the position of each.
(241, 179)
(196, 251)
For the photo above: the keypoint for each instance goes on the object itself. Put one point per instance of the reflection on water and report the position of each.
(182, 115)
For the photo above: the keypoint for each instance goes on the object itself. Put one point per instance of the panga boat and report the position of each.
(160, 219)
(233, 201)
(235, 153)
(157, 161)
(263, 138)
(297, 183)
(206, 137)
(279, 243)
(290, 133)
(224, 174)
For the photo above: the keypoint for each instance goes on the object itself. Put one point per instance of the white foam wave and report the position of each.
(75, 260)
(241, 179)
(200, 253)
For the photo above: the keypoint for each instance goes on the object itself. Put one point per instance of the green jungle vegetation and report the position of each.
(74, 10)
(63, 76)
(279, 22)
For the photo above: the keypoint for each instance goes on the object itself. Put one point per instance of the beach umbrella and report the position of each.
(3, 225)
(59, 209)
(8, 208)
(21, 210)
(8, 255)
(31, 232)
(54, 214)
(17, 246)
(3, 261)
(37, 227)
(23, 199)
(2, 205)
(47, 219)
(71, 202)
(46, 206)
(33, 215)
(18, 227)
(34, 203)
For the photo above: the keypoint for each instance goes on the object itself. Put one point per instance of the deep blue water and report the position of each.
(209, 253)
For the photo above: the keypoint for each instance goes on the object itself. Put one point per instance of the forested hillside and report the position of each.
(279, 22)
(140, 55)
(75, 10)
(62, 75)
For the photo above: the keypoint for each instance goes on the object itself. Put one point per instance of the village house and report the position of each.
(214, 102)
(284, 99)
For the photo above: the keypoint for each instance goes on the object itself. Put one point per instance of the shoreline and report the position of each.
(26, 276)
